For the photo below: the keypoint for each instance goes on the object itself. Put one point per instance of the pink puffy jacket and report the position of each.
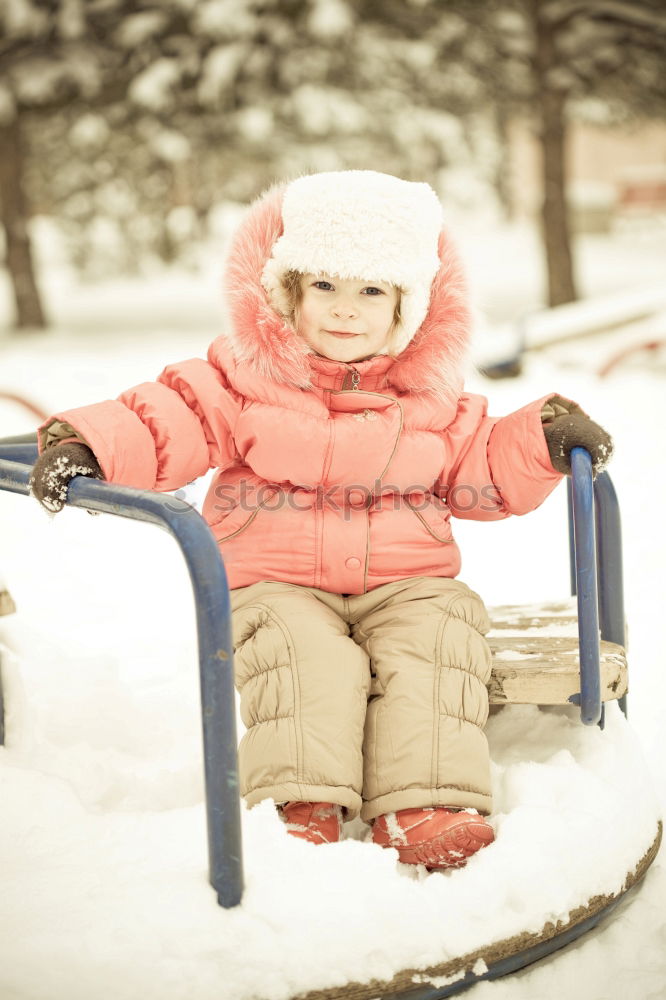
(341, 477)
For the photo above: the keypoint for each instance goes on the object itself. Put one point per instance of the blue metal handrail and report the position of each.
(595, 551)
(586, 586)
(211, 593)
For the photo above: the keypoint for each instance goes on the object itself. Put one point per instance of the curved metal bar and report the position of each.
(211, 593)
(586, 586)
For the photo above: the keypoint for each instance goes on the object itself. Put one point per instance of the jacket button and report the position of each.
(353, 563)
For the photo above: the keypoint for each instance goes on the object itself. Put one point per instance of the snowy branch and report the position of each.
(558, 15)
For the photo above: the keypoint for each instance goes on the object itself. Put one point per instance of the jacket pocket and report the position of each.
(235, 530)
(238, 520)
(432, 515)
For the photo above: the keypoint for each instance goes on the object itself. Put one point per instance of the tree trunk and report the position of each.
(14, 218)
(552, 133)
(503, 185)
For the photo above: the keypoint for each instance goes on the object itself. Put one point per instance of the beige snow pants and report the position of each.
(374, 701)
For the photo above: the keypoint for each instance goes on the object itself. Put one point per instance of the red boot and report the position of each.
(436, 837)
(318, 822)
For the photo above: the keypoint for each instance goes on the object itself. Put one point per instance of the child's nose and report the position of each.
(344, 306)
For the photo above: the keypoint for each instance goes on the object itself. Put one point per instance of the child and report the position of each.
(343, 440)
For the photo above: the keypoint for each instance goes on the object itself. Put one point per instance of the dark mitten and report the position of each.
(54, 469)
(566, 426)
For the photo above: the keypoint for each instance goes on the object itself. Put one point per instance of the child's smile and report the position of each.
(346, 319)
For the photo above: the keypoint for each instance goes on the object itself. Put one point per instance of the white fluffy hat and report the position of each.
(365, 225)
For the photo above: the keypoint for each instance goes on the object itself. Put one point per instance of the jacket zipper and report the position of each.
(355, 377)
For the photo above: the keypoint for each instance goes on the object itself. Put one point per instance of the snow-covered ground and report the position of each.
(102, 844)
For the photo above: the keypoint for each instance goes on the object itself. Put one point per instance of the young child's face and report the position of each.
(345, 319)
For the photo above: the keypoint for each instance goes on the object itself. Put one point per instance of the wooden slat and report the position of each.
(535, 656)
(531, 670)
(555, 616)
(571, 621)
(7, 606)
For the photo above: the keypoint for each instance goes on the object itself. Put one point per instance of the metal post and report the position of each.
(586, 587)
(211, 594)
(609, 555)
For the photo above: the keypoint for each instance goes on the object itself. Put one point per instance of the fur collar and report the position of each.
(262, 340)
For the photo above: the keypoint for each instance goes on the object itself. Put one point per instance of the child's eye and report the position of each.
(372, 290)
(325, 286)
